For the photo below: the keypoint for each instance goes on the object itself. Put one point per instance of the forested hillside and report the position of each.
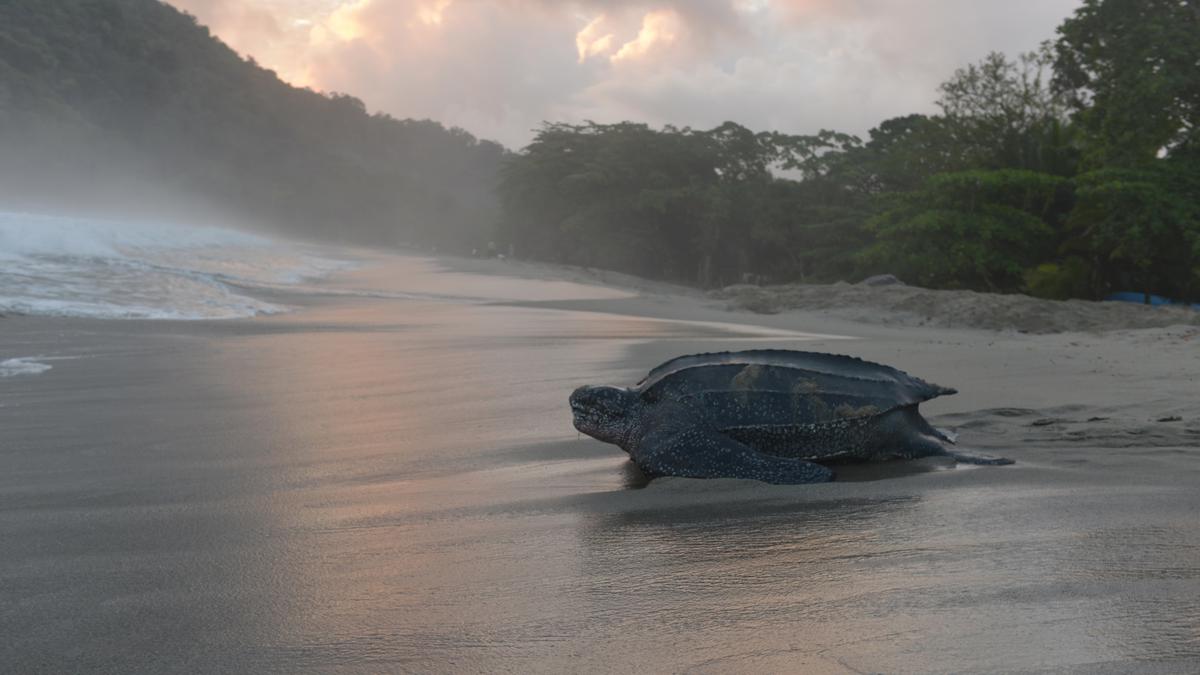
(1073, 171)
(95, 89)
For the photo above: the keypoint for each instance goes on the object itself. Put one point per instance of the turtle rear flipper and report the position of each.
(946, 434)
(705, 453)
(923, 445)
(972, 458)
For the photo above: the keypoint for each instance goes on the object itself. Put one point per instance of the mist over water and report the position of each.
(114, 269)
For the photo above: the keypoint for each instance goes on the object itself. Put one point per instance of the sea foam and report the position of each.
(22, 366)
(64, 266)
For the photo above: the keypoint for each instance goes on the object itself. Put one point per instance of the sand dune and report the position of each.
(913, 306)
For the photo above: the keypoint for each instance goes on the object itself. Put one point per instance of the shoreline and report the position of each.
(889, 305)
(844, 304)
(943, 354)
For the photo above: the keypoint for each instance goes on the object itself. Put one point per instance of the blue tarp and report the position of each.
(1140, 298)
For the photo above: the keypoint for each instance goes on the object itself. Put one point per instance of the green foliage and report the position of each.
(1140, 228)
(94, 88)
(683, 204)
(902, 154)
(972, 229)
(1130, 68)
(1003, 114)
(1055, 281)
(977, 197)
(810, 230)
(612, 196)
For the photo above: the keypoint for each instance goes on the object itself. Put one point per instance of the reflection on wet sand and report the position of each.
(439, 516)
(425, 461)
(940, 579)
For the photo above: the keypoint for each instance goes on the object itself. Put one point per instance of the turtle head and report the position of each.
(605, 413)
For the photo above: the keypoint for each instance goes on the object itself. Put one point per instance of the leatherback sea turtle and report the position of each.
(768, 415)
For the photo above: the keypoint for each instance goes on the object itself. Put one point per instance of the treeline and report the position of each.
(1070, 172)
(90, 89)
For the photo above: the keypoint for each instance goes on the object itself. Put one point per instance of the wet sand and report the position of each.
(387, 481)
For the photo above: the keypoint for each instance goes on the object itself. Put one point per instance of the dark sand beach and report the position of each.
(387, 480)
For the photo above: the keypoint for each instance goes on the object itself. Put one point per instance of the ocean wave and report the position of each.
(62, 266)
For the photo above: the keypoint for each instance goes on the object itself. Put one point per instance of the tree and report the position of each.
(1140, 228)
(701, 206)
(899, 155)
(621, 196)
(1129, 68)
(810, 230)
(1003, 113)
(972, 229)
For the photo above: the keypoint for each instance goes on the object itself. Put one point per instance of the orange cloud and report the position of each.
(343, 24)
(591, 41)
(660, 28)
(431, 13)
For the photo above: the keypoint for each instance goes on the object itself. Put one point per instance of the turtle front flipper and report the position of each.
(706, 453)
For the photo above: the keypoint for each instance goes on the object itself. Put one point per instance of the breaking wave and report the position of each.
(63, 266)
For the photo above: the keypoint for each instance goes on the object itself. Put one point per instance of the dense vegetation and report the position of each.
(90, 89)
(1070, 172)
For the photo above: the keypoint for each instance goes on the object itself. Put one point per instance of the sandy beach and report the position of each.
(386, 479)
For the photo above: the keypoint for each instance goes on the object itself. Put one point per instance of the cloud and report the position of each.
(500, 67)
(592, 40)
(660, 29)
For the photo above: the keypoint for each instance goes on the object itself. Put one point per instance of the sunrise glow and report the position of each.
(592, 40)
(342, 24)
(430, 14)
(502, 67)
(660, 27)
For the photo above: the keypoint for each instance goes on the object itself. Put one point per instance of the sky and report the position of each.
(499, 68)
